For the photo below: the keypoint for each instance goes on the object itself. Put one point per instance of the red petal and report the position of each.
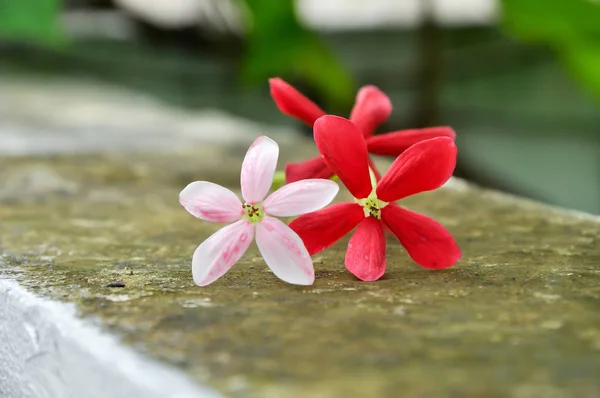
(422, 167)
(292, 103)
(371, 108)
(345, 153)
(365, 257)
(427, 242)
(321, 229)
(393, 144)
(311, 168)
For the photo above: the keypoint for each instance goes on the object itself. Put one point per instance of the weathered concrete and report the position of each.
(517, 317)
(47, 116)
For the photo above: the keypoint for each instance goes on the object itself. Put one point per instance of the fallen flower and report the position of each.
(281, 248)
(371, 108)
(423, 167)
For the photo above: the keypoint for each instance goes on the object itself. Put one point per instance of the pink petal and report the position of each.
(345, 152)
(292, 103)
(394, 143)
(321, 229)
(284, 252)
(371, 108)
(310, 168)
(427, 242)
(425, 166)
(258, 169)
(217, 254)
(211, 202)
(300, 197)
(365, 257)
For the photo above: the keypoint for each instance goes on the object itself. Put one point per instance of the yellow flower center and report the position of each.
(254, 213)
(371, 205)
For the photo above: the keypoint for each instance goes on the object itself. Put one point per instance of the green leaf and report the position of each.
(570, 27)
(30, 21)
(552, 20)
(584, 62)
(280, 46)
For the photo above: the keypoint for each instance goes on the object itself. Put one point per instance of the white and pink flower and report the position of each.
(282, 249)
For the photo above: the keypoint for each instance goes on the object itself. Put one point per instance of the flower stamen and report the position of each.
(254, 213)
(371, 205)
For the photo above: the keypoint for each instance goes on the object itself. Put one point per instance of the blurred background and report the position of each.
(519, 80)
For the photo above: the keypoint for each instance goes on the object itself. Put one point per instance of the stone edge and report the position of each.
(46, 350)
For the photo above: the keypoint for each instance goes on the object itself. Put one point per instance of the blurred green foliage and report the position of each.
(570, 27)
(30, 21)
(278, 45)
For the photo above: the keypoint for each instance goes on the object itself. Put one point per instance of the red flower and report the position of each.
(423, 167)
(371, 108)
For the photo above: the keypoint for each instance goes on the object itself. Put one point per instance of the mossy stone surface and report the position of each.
(518, 316)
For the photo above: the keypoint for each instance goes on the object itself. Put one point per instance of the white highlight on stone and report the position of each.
(47, 351)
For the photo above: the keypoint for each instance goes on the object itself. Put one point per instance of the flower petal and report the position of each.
(301, 197)
(258, 169)
(284, 252)
(365, 257)
(427, 242)
(311, 168)
(292, 103)
(394, 143)
(217, 254)
(345, 152)
(211, 202)
(423, 167)
(371, 108)
(321, 229)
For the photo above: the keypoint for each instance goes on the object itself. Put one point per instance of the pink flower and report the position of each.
(281, 248)
(423, 167)
(371, 108)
